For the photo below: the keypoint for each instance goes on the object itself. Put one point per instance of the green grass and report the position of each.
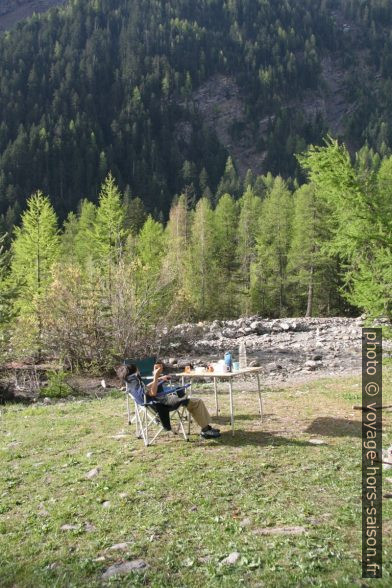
(183, 507)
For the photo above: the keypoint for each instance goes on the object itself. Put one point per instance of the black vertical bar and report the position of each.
(371, 453)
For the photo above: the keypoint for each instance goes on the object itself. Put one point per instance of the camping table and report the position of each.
(229, 377)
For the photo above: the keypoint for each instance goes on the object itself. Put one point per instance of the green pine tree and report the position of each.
(226, 222)
(201, 269)
(35, 249)
(360, 223)
(309, 269)
(83, 239)
(269, 288)
(151, 282)
(230, 182)
(109, 233)
(176, 258)
(250, 209)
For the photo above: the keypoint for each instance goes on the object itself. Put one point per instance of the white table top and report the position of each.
(228, 375)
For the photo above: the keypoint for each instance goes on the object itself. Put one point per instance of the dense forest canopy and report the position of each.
(99, 288)
(101, 85)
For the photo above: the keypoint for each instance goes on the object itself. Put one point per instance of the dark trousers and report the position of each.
(163, 412)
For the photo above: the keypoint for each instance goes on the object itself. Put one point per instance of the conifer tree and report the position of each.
(68, 237)
(6, 295)
(109, 233)
(83, 238)
(201, 270)
(230, 182)
(35, 249)
(309, 268)
(269, 289)
(176, 257)
(250, 209)
(136, 215)
(226, 222)
(360, 222)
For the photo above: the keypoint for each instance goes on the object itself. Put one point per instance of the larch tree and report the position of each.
(83, 238)
(226, 222)
(250, 210)
(109, 233)
(230, 182)
(308, 267)
(269, 289)
(35, 249)
(150, 281)
(6, 295)
(175, 262)
(360, 223)
(201, 268)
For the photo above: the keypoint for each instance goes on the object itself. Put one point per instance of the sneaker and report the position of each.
(216, 430)
(210, 434)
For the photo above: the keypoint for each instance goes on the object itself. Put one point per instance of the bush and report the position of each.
(57, 386)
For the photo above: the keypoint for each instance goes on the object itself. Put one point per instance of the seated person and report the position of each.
(130, 376)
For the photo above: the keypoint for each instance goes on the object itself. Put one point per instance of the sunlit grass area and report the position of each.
(183, 508)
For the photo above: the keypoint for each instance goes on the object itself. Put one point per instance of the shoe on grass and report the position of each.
(210, 434)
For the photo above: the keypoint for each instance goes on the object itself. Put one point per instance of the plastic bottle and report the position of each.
(228, 361)
(242, 355)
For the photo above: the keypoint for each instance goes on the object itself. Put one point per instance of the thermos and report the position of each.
(228, 361)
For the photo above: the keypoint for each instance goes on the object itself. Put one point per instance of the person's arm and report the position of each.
(152, 388)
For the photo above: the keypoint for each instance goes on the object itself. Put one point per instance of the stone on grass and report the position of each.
(119, 547)
(280, 531)
(231, 559)
(389, 480)
(317, 442)
(106, 504)
(123, 495)
(388, 495)
(92, 473)
(123, 568)
(245, 522)
(69, 527)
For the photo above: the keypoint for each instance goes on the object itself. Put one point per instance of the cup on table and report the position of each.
(236, 366)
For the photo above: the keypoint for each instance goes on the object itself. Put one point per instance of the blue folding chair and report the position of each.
(146, 414)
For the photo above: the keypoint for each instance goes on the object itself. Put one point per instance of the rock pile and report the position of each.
(282, 346)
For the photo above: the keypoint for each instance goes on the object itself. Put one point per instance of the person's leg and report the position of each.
(164, 415)
(199, 411)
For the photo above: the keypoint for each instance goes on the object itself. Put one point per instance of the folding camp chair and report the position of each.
(146, 415)
(149, 425)
(146, 367)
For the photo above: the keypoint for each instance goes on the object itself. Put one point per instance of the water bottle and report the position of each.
(228, 361)
(242, 355)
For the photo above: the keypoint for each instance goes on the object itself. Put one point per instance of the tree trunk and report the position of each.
(310, 294)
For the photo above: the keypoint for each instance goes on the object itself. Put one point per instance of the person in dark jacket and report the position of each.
(130, 376)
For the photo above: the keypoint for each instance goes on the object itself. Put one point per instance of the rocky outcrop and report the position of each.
(283, 347)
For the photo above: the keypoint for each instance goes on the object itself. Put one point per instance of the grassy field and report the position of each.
(184, 507)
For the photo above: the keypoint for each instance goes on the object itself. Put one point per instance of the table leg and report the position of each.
(260, 399)
(189, 416)
(216, 397)
(231, 406)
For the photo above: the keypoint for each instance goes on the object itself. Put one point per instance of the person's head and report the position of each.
(123, 371)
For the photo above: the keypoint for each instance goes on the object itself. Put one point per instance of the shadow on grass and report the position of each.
(335, 427)
(262, 438)
(224, 420)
